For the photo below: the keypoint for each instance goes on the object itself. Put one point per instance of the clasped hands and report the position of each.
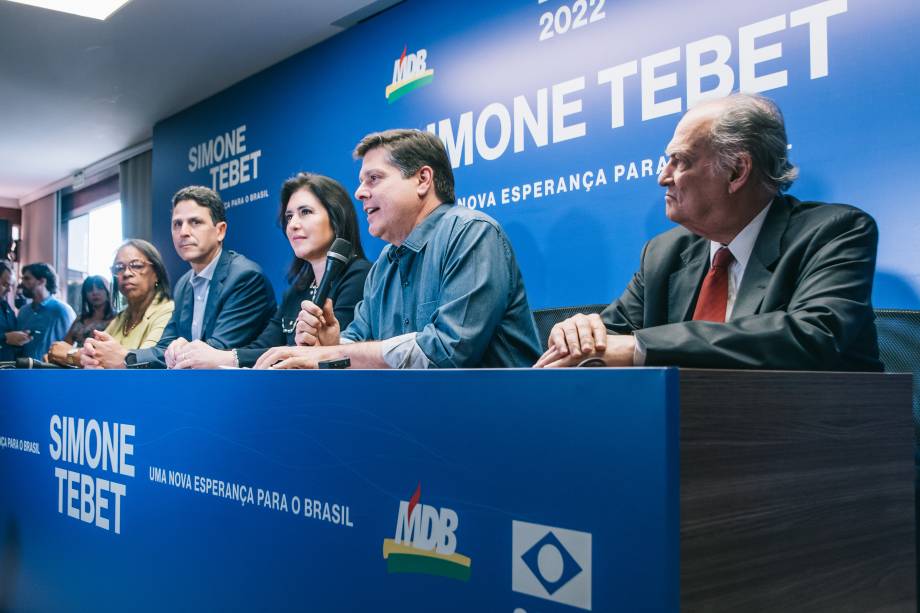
(102, 351)
(582, 337)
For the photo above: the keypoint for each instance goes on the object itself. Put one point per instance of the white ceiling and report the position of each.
(75, 90)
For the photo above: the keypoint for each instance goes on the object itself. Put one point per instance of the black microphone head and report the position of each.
(336, 260)
(32, 363)
(340, 250)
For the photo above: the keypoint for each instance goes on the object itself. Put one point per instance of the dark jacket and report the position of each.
(804, 301)
(345, 293)
(240, 302)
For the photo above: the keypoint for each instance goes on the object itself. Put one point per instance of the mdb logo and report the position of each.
(425, 541)
(551, 563)
(409, 72)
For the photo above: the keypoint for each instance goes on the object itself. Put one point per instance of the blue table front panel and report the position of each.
(519, 491)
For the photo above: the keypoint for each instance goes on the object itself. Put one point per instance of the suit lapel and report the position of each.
(683, 283)
(215, 287)
(763, 259)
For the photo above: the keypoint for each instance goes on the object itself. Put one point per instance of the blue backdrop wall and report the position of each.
(556, 115)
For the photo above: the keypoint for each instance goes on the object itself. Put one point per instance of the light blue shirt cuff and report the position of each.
(639, 353)
(404, 352)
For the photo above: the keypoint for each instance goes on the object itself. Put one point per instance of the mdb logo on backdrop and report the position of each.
(409, 72)
(425, 541)
(551, 563)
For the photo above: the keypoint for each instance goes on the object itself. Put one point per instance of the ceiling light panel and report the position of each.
(96, 9)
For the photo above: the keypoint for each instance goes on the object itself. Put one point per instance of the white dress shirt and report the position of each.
(741, 248)
(201, 287)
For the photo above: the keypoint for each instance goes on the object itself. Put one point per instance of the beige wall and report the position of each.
(39, 229)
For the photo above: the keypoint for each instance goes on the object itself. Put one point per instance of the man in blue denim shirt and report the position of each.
(445, 293)
(44, 320)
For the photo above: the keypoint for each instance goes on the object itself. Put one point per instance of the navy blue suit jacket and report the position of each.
(7, 324)
(240, 302)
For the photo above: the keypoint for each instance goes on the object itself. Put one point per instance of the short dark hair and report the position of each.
(340, 208)
(409, 150)
(89, 284)
(204, 196)
(41, 270)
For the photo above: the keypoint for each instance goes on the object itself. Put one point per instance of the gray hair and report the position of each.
(754, 125)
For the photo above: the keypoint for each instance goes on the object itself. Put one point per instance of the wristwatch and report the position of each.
(72, 357)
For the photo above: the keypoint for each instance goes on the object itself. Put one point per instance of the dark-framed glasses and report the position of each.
(133, 266)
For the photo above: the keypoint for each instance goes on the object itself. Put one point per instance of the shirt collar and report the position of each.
(208, 271)
(36, 306)
(743, 244)
(419, 236)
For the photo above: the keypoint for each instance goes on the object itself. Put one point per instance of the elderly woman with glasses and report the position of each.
(142, 281)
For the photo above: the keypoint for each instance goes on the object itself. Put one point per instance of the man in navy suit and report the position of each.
(224, 300)
(751, 278)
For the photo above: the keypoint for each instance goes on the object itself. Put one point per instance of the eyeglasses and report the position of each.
(133, 265)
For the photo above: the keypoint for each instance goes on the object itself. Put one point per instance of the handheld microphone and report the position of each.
(336, 261)
(138, 365)
(33, 364)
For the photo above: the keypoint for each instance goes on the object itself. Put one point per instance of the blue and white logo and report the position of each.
(551, 563)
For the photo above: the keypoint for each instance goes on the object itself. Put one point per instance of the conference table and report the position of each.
(643, 489)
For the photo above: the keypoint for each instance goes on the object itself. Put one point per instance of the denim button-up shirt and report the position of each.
(455, 283)
(47, 323)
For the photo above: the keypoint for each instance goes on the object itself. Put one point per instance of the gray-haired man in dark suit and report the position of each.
(752, 278)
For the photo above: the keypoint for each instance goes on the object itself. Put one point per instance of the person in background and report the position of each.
(45, 319)
(95, 310)
(315, 210)
(7, 313)
(141, 278)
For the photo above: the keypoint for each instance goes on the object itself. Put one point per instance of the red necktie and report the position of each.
(713, 300)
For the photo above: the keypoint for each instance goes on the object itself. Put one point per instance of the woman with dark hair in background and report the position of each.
(315, 210)
(95, 310)
(141, 279)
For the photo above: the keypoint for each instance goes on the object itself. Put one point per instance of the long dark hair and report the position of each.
(163, 291)
(89, 284)
(339, 207)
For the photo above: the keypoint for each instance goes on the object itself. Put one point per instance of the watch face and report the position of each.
(130, 359)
